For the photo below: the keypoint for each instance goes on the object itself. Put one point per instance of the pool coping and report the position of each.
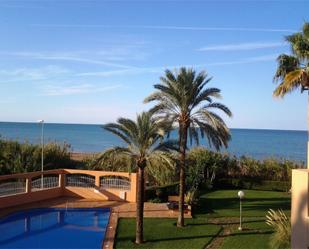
(110, 233)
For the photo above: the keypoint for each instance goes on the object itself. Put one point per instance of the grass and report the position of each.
(255, 235)
(162, 233)
(224, 203)
(215, 223)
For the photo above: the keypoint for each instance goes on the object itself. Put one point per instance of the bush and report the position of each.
(161, 192)
(225, 166)
(18, 157)
(281, 238)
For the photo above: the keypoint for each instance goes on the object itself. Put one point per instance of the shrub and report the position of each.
(217, 165)
(18, 157)
(282, 225)
(161, 192)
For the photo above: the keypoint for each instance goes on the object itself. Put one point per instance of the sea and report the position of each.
(256, 143)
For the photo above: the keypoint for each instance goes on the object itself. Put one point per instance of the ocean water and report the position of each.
(258, 144)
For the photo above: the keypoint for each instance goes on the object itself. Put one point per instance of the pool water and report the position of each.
(54, 228)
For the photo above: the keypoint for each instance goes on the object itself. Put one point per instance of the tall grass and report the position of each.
(18, 157)
(281, 224)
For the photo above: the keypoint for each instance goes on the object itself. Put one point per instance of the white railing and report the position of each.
(46, 182)
(77, 180)
(13, 187)
(24, 188)
(115, 183)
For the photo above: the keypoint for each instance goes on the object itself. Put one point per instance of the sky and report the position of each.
(94, 61)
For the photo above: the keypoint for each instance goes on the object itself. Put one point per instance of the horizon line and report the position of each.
(98, 124)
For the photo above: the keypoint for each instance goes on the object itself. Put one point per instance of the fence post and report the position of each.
(97, 181)
(28, 184)
(62, 180)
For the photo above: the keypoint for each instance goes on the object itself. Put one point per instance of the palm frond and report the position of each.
(117, 130)
(291, 82)
(180, 95)
(292, 71)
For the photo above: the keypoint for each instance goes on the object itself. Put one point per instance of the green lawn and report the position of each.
(163, 233)
(255, 235)
(224, 203)
(216, 219)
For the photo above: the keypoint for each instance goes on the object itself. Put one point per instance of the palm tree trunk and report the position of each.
(182, 163)
(140, 206)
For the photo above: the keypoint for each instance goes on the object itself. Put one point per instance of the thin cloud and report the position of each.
(64, 57)
(249, 60)
(158, 27)
(243, 46)
(31, 74)
(77, 89)
(112, 72)
(158, 69)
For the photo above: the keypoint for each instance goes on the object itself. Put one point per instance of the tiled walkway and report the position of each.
(118, 210)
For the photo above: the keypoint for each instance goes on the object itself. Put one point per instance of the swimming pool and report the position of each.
(54, 228)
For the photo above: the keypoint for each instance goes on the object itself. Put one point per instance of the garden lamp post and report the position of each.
(241, 195)
(42, 152)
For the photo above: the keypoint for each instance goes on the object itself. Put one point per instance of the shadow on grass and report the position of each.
(223, 223)
(172, 239)
(214, 206)
(245, 234)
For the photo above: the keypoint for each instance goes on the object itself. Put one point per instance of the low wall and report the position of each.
(61, 187)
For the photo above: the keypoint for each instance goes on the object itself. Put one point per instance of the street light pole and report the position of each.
(42, 152)
(241, 195)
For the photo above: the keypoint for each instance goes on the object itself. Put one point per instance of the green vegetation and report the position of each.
(210, 170)
(162, 233)
(161, 193)
(144, 144)
(279, 221)
(243, 168)
(18, 157)
(215, 222)
(293, 70)
(251, 183)
(182, 99)
(256, 236)
(225, 203)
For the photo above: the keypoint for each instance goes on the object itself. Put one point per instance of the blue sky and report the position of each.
(93, 61)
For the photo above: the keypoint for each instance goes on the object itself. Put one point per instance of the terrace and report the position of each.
(70, 188)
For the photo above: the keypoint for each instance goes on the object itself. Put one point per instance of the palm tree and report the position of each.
(182, 99)
(293, 70)
(144, 144)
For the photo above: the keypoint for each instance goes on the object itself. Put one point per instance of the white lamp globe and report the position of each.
(241, 194)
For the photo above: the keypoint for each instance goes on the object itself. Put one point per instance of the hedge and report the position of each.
(232, 183)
